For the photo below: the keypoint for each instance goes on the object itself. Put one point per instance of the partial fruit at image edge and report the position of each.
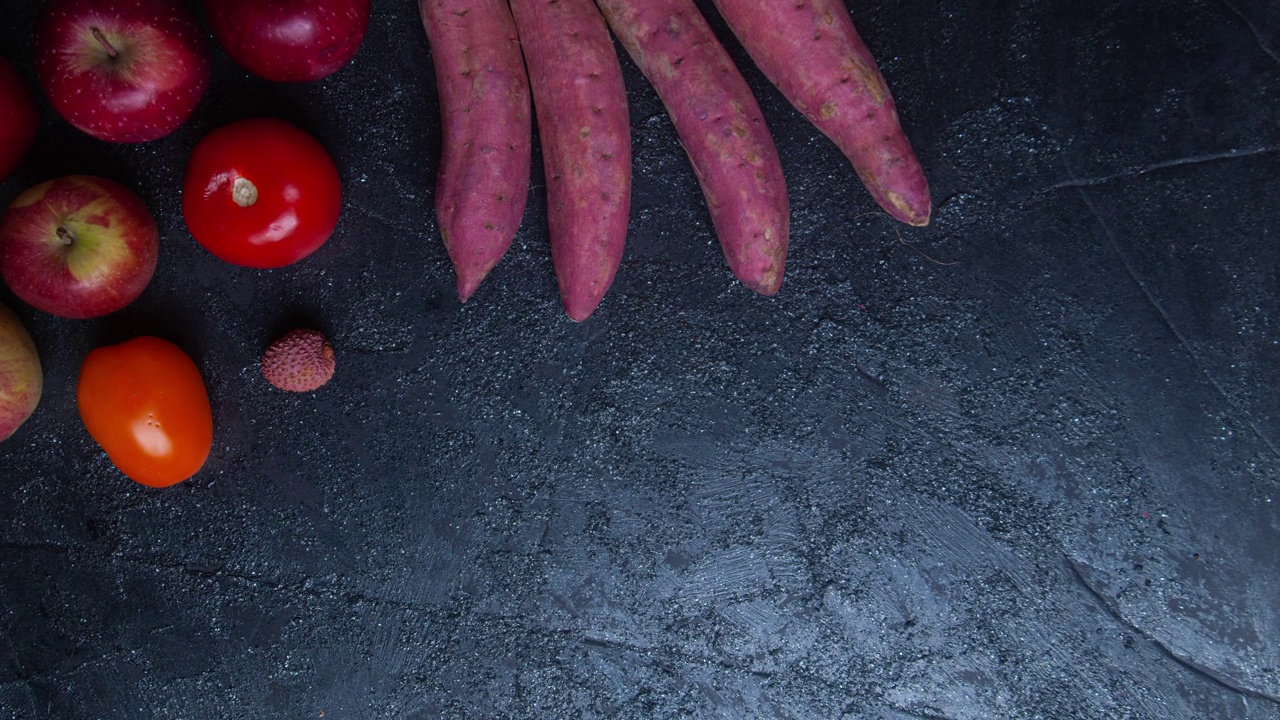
(21, 378)
(144, 402)
(78, 246)
(289, 40)
(19, 119)
(123, 71)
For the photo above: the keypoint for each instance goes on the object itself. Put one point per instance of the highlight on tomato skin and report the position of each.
(144, 402)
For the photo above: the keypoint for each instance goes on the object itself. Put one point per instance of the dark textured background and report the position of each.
(1019, 464)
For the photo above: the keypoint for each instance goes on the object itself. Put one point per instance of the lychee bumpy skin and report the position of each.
(300, 361)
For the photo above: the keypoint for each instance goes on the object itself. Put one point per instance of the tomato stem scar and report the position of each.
(244, 192)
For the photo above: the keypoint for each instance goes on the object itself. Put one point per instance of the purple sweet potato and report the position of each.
(483, 183)
(811, 52)
(720, 126)
(583, 124)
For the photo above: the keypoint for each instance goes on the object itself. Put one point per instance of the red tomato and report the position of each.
(145, 403)
(261, 193)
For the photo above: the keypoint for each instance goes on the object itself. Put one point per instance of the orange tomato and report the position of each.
(145, 403)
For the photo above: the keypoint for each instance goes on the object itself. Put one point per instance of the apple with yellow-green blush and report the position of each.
(78, 246)
(21, 380)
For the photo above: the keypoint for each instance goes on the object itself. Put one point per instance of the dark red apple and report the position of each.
(289, 40)
(19, 119)
(122, 70)
(78, 246)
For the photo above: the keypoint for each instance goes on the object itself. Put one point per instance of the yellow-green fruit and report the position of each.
(21, 381)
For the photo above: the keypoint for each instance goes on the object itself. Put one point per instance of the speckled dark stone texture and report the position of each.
(1019, 464)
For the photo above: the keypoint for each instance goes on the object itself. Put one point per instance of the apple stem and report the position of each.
(65, 235)
(112, 52)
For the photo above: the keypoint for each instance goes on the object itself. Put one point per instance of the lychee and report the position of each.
(300, 361)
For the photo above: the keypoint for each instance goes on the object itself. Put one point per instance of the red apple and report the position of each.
(19, 119)
(78, 246)
(21, 380)
(289, 40)
(122, 70)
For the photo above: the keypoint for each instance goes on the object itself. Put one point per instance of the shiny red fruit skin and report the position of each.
(19, 119)
(293, 182)
(137, 78)
(289, 40)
